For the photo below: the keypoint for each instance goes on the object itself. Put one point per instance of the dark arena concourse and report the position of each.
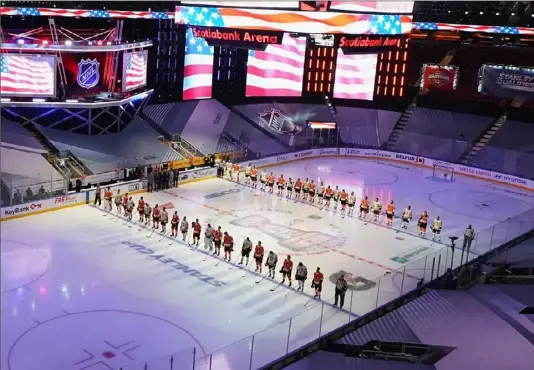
(242, 185)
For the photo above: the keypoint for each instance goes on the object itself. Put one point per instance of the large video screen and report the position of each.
(250, 4)
(355, 76)
(134, 69)
(27, 75)
(278, 70)
(507, 82)
(198, 67)
(395, 7)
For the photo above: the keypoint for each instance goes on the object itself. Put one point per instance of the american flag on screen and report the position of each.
(278, 70)
(355, 76)
(373, 6)
(27, 75)
(198, 63)
(135, 71)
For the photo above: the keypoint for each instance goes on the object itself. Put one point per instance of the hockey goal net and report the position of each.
(443, 173)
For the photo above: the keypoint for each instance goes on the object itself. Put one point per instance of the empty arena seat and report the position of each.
(15, 134)
(137, 144)
(365, 127)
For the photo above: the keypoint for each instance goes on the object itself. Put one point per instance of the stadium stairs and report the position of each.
(483, 139)
(183, 148)
(399, 127)
(74, 165)
(255, 125)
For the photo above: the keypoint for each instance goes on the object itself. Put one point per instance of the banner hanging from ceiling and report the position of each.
(439, 78)
(506, 81)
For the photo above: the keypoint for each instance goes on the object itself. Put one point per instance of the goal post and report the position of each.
(443, 173)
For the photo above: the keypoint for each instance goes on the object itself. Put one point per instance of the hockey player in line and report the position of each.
(311, 192)
(317, 283)
(301, 275)
(406, 217)
(328, 196)
(156, 215)
(107, 197)
(208, 238)
(390, 213)
(376, 207)
(125, 199)
(196, 232)
(258, 256)
(229, 170)
(254, 177)
(141, 209)
(343, 199)
(422, 223)
(118, 201)
(270, 183)
(263, 180)
(351, 202)
(245, 250)
(228, 243)
(175, 220)
(436, 227)
(298, 188)
(287, 267)
(272, 260)
(148, 214)
(281, 182)
(184, 228)
(289, 188)
(248, 170)
(164, 218)
(364, 207)
(320, 193)
(305, 190)
(235, 171)
(217, 236)
(336, 197)
(128, 209)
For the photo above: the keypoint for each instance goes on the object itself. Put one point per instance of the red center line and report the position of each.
(335, 250)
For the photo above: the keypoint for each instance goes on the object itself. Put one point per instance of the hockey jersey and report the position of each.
(302, 272)
(247, 245)
(272, 259)
(148, 210)
(164, 216)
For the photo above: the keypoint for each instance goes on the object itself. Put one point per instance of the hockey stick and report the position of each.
(163, 235)
(246, 268)
(220, 260)
(205, 258)
(233, 265)
(152, 232)
(264, 276)
(173, 239)
(273, 289)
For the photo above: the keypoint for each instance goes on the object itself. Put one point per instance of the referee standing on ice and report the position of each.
(341, 288)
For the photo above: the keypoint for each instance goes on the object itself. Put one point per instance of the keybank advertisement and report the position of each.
(506, 82)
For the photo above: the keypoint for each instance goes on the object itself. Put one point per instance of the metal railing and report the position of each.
(321, 317)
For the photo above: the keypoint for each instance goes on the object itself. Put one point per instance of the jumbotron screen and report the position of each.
(27, 75)
(355, 76)
(278, 70)
(394, 7)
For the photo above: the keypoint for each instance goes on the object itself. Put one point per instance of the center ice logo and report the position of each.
(291, 233)
(354, 282)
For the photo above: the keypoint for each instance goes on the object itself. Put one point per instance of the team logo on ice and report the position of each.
(279, 122)
(354, 282)
(88, 74)
(307, 236)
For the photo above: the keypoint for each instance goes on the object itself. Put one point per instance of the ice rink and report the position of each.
(81, 290)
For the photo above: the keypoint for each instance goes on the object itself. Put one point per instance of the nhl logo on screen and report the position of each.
(88, 74)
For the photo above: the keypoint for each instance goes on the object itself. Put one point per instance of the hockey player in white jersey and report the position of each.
(376, 207)
(164, 219)
(352, 202)
(184, 228)
(245, 250)
(336, 197)
(301, 275)
(320, 193)
(289, 188)
(436, 227)
(208, 238)
(248, 169)
(406, 217)
(263, 180)
(129, 208)
(118, 201)
(272, 260)
(305, 189)
(148, 214)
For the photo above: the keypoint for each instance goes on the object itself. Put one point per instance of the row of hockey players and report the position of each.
(308, 191)
(213, 240)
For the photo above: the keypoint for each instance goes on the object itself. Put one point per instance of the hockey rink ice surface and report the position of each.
(81, 290)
